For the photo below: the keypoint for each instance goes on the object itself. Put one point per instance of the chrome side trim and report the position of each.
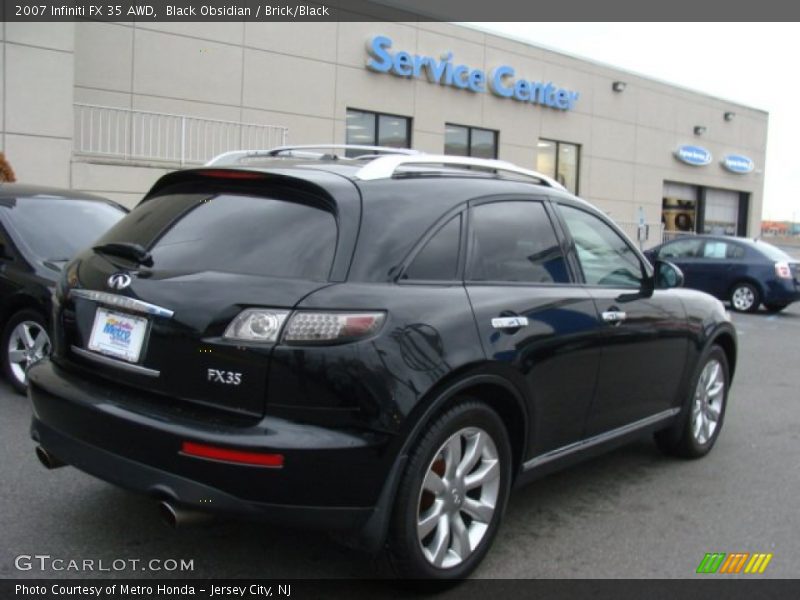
(606, 436)
(125, 302)
(113, 362)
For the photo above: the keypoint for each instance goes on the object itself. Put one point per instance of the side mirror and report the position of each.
(667, 275)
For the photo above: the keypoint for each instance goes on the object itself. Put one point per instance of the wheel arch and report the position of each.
(750, 280)
(20, 302)
(497, 391)
(726, 341)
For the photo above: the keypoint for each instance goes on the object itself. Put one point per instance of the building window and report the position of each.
(366, 128)
(460, 140)
(560, 161)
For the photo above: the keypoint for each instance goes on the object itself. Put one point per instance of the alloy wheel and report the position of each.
(708, 398)
(28, 344)
(458, 498)
(743, 298)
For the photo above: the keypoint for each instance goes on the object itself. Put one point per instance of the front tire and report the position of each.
(25, 341)
(745, 297)
(700, 422)
(452, 495)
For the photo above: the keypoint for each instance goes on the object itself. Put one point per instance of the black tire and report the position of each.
(14, 370)
(745, 297)
(405, 548)
(681, 439)
(775, 308)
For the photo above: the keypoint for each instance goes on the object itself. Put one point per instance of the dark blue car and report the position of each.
(743, 271)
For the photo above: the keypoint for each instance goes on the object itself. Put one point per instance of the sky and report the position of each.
(749, 63)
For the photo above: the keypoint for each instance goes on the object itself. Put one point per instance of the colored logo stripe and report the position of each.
(734, 562)
(711, 562)
(758, 564)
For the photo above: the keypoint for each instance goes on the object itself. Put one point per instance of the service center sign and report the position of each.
(736, 163)
(500, 81)
(696, 156)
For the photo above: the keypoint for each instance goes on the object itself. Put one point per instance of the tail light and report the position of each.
(782, 270)
(256, 325)
(265, 325)
(331, 327)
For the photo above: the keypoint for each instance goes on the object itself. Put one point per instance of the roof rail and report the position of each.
(385, 167)
(306, 151)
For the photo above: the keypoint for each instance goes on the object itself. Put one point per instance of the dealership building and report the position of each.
(109, 107)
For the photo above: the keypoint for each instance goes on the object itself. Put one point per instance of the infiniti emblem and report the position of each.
(119, 281)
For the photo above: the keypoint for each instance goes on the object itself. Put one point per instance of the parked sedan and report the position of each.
(743, 271)
(40, 230)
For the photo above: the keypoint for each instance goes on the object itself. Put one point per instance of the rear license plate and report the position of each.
(117, 334)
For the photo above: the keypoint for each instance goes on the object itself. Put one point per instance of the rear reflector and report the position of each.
(230, 174)
(231, 456)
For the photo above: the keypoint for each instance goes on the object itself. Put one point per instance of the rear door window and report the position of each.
(233, 233)
(514, 241)
(685, 248)
(438, 259)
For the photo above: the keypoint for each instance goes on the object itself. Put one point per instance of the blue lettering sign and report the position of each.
(736, 163)
(693, 155)
(443, 71)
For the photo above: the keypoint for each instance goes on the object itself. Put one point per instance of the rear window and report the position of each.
(234, 233)
(771, 252)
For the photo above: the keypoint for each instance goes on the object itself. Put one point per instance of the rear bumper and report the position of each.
(784, 291)
(330, 479)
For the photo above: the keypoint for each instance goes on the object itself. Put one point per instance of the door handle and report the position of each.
(509, 322)
(614, 316)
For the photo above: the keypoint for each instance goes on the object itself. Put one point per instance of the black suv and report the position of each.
(383, 344)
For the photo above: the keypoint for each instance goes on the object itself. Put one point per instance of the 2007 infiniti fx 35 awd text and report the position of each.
(381, 343)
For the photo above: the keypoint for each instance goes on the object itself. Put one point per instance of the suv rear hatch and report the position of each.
(206, 248)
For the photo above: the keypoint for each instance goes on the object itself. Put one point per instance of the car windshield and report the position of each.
(771, 252)
(57, 228)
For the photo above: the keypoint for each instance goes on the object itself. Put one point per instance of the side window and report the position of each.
(715, 249)
(438, 259)
(514, 241)
(685, 248)
(735, 251)
(605, 257)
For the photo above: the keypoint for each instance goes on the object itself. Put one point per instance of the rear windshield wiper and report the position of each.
(135, 252)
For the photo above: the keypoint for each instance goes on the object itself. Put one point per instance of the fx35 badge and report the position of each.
(224, 377)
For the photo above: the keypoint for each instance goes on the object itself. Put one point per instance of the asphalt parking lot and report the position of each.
(632, 513)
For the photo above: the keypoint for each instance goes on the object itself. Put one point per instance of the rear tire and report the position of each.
(700, 421)
(452, 495)
(745, 297)
(25, 341)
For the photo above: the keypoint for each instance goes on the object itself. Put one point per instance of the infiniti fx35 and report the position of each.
(383, 346)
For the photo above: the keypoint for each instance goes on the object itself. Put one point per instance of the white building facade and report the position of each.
(109, 107)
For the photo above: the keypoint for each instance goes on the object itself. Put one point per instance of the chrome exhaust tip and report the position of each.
(175, 516)
(47, 459)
